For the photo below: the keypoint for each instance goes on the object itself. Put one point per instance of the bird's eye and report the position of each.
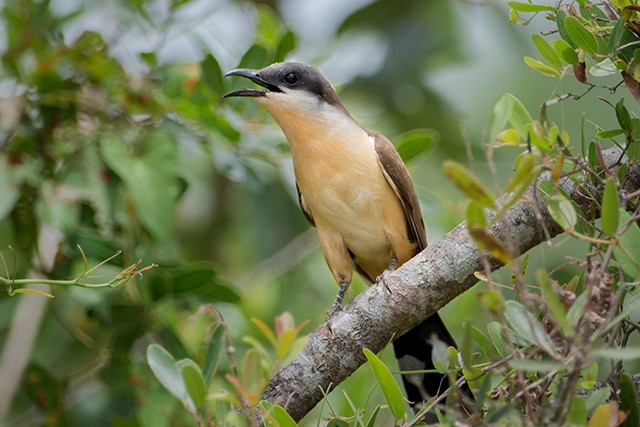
(290, 78)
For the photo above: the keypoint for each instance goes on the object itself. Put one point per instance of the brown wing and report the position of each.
(305, 209)
(398, 177)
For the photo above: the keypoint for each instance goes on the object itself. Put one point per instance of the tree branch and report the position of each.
(419, 288)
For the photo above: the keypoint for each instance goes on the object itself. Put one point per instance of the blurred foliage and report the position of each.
(607, 33)
(113, 153)
(110, 143)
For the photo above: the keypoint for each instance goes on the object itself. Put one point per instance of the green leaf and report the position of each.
(609, 133)
(193, 278)
(604, 68)
(151, 179)
(212, 75)
(623, 116)
(337, 422)
(286, 340)
(547, 51)
(232, 418)
(215, 351)
(578, 308)
(529, 7)
(220, 292)
(474, 377)
(562, 211)
(200, 280)
(532, 365)
(269, 27)
(509, 110)
(414, 142)
(286, 45)
(592, 154)
(509, 136)
(621, 36)
(256, 345)
(192, 377)
(629, 401)
(593, 14)
(552, 137)
(266, 330)
(597, 397)
(581, 36)
(475, 215)
(560, 17)
(535, 135)
(491, 300)
(619, 353)
(154, 403)
(9, 190)
(276, 414)
(221, 125)
(388, 386)
(558, 309)
(610, 208)
(582, 226)
(465, 347)
(488, 242)
(541, 67)
(255, 57)
(164, 368)
(577, 415)
(589, 376)
(627, 251)
(494, 329)
(633, 147)
(602, 415)
(252, 371)
(29, 291)
(468, 183)
(513, 17)
(525, 172)
(566, 52)
(527, 327)
(372, 418)
(485, 344)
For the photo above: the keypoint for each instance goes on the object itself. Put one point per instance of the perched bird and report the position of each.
(354, 188)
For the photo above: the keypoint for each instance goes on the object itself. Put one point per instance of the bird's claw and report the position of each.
(390, 269)
(381, 279)
(335, 307)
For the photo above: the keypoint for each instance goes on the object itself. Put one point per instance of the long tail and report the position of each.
(413, 351)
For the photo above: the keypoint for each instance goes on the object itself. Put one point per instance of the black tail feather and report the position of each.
(413, 351)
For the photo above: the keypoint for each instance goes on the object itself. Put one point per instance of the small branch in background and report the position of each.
(282, 261)
(30, 311)
(84, 280)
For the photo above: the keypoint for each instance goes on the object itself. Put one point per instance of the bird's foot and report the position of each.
(335, 308)
(390, 269)
(337, 304)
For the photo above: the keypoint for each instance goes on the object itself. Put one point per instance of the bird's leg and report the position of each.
(390, 269)
(337, 304)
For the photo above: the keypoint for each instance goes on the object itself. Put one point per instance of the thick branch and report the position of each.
(420, 287)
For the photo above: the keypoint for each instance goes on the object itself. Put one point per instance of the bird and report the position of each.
(354, 188)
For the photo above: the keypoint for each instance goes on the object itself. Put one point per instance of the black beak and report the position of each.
(254, 76)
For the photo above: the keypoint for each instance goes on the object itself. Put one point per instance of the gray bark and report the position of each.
(416, 290)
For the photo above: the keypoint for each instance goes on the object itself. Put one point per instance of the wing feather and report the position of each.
(398, 177)
(305, 208)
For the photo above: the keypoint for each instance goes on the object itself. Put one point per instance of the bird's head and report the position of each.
(289, 87)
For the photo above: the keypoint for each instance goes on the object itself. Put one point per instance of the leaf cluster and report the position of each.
(600, 38)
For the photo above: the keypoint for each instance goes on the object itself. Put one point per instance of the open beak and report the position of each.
(254, 76)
